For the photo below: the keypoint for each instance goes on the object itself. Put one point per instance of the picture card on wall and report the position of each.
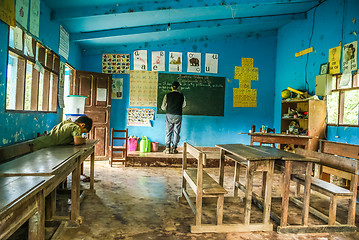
(175, 62)
(350, 57)
(116, 63)
(158, 61)
(194, 62)
(211, 63)
(140, 60)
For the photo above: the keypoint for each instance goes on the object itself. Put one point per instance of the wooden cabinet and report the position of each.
(313, 123)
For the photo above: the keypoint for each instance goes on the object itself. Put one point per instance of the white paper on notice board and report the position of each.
(101, 94)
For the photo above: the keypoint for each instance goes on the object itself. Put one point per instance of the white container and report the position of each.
(75, 104)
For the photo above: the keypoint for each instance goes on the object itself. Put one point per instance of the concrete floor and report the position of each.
(141, 203)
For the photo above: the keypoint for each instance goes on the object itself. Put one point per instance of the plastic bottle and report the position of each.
(145, 145)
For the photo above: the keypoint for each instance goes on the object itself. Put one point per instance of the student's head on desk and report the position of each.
(85, 124)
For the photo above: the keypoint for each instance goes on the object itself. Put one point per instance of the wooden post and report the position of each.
(220, 202)
(306, 195)
(268, 191)
(285, 193)
(352, 205)
(249, 189)
(184, 166)
(92, 171)
(37, 221)
(75, 192)
(50, 205)
(199, 195)
(221, 167)
(236, 178)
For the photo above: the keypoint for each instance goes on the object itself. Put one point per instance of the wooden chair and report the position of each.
(116, 150)
(204, 186)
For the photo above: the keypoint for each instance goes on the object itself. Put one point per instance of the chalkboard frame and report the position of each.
(204, 94)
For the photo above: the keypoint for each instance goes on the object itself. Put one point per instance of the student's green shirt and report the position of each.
(61, 134)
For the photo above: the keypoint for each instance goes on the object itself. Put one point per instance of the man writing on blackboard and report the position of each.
(172, 103)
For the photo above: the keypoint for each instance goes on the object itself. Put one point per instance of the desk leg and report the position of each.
(92, 171)
(221, 167)
(249, 189)
(268, 192)
(75, 192)
(236, 178)
(306, 195)
(285, 193)
(37, 221)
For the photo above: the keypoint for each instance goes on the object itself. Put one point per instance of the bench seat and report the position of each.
(210, 186)
(323, 187)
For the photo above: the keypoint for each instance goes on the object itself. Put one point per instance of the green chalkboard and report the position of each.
(204, 94)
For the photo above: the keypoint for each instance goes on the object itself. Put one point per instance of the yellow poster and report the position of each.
(7, 12)
(244, 96)
(143, 88)
(334, 60)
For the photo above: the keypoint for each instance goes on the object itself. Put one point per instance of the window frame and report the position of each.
(43, 55)
(341, 98)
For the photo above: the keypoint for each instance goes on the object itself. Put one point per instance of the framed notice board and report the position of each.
(204, 94)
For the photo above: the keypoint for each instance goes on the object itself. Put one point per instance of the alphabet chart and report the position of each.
(211, 63)
(175, 62)
(158, 61)
(143, 88)
(194, 62)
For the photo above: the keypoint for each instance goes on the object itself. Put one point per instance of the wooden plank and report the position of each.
(224, 228)
(285, 194)
(75, 194)
(210, 186)
(341, 149)
(316, 229)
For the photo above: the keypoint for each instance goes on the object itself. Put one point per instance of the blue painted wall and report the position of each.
(17, 127)
(207, 130)
(333, 24)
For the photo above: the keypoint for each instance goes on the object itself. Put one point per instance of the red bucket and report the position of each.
(132, 144)
(154, 146)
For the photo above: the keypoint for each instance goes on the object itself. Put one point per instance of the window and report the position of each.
(32, 74)
(343, 103)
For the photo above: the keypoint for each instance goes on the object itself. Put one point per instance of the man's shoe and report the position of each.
(174, 151)
(167, 151)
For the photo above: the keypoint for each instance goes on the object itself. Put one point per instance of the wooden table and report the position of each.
(263, 158)
(59, 161)
(21, 199)
(272, 138)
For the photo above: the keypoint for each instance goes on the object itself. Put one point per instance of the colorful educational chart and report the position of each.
(139, 117)
(211, 63)
(140, 60)
(194, 62)
(116, 63)
(7, 12)
(22, 12)
(117, 88)
(35, 17)
(158, 61)
(175, 62)
(350, 57)
(143, 88)
(334, 60)
(244, 96)
(18, 43)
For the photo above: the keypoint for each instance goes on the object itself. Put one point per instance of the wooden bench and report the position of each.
(350, 166)
(203, 185)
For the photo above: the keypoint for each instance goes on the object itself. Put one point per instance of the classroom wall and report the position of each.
(325, 27)
(206, 130)
(17, 127)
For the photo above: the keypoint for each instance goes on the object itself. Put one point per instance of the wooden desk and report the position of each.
(21, 199)
(272, 138)
(59, 161)
(262, 158)
(254, 160)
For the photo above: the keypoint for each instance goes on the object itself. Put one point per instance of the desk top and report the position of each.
(256, 153)
(46, 161)
(17, 189)
(278, 135)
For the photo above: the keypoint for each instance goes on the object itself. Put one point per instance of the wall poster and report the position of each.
(35, 17)
(334, 60)
(158, 61)
(7, 12)
(64, 43)
(194, 62)
(175, 62)
(140, 60)
(116, 63)
(143, 88)
(244, 96)
(117, 86)
(350, 56)
(140, 117)
(22, 12)
(211, 63)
